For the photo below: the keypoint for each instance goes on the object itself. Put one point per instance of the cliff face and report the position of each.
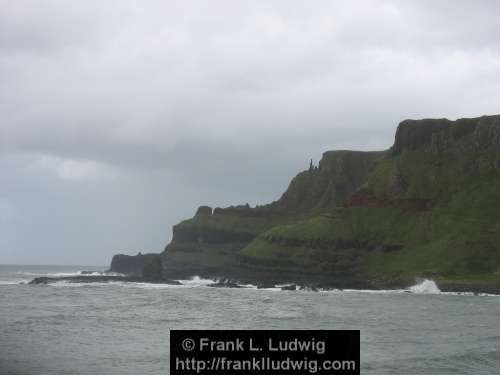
(464, 135)
(209, 244)
(428, 207)
(338, 176)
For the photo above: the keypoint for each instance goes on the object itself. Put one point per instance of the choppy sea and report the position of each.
(123, 328)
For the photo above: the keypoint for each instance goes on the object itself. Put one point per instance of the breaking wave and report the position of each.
(197, 281)
(425, 287)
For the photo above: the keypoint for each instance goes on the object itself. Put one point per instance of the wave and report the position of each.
(428, 286)
(14, 282)
(425, 286)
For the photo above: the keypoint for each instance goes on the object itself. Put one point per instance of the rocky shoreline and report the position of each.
(476, 289)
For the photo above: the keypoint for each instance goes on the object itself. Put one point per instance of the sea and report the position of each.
(123, 328)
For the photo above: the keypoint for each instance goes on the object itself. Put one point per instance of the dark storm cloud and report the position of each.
(120, 117)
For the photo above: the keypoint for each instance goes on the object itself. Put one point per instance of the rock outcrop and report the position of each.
(135, 265)
(97, 279)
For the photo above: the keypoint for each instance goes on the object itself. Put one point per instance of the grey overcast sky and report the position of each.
(118, 118)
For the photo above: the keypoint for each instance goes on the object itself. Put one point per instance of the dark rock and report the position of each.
(265, 286)
(204, 210)
(132, 265)
(289, 287)
(152, 270)
(225, 284)
(97, 279)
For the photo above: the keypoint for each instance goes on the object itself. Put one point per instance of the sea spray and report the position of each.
(425, 286)
(197, 281)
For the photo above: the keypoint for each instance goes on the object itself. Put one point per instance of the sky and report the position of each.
(119, 118)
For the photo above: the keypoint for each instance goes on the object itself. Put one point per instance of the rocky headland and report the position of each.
(428, 207)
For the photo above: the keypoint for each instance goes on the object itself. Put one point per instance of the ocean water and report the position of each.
(123, 328)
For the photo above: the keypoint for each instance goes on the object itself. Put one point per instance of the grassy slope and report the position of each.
(457, 241)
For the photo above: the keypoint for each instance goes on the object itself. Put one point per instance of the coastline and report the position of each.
(221, 282)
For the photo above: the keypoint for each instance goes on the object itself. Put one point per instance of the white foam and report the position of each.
(66, 283)
(372, 291)
(248, 286)
(426, 286)
(13, 282)
(97, 273)
(69, 274)
(197, 281)
(149, 285)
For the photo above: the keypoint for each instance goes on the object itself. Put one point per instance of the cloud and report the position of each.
(76, 170)
(174, 104)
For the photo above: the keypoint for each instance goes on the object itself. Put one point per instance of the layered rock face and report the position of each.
(208, 244)
(427, 207)
(442, 135)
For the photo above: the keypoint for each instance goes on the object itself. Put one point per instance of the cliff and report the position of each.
(427, 207)
(210, 243)
(441, 135)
